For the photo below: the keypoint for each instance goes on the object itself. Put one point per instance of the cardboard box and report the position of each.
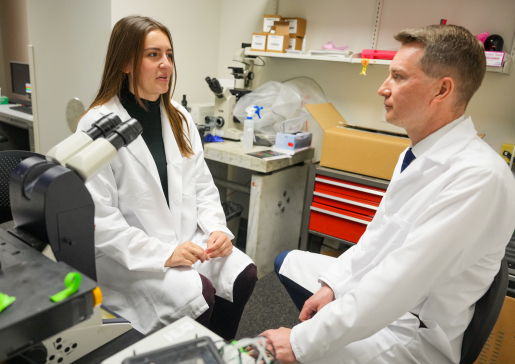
(359, 150)
(268, 21)
(295, 43)
(258, 43)
(500, 347)
(297, 26)
(278, 39)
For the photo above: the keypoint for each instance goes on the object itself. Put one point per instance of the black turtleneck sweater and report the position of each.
(152, 132)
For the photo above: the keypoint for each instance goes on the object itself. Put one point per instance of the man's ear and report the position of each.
(445, 88)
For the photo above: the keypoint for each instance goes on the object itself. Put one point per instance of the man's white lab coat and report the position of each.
(432, 250)
(136, 231)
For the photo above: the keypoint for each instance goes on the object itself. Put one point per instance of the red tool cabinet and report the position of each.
(339, 205)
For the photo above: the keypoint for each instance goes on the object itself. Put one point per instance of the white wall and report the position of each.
(195, 28)
(236, 29)
(70, 39)
(206, 34)
(349, 22)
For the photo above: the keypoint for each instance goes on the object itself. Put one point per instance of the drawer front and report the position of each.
(338, 223)
(343, 187)
(345, 202)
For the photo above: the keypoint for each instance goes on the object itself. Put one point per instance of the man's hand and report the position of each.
(218, 245)
(316, 302)
(186, 254)
(278, 342)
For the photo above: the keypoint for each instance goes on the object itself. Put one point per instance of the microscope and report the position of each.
(223, 123)
(53, 214)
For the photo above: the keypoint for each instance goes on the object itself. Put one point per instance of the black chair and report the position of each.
(485, 316)
(8, 160)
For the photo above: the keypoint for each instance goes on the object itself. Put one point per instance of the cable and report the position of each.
(260, 65)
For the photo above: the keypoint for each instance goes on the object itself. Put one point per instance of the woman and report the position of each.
(162, 245)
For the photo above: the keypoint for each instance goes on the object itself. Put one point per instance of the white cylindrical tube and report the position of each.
(63, 151)
(90, 160)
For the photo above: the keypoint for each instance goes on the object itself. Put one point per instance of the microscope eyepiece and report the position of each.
(125, 133)
(103, 126)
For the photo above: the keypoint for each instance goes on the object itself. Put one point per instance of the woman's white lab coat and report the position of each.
(432, 250)
(136, 231)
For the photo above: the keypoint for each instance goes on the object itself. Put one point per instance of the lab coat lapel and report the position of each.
(138, 148)
(174, 170)
(421, 171)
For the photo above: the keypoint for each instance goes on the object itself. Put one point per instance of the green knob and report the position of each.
(72, 283)
(5, 301)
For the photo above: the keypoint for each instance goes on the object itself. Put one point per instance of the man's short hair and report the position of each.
(450, 51)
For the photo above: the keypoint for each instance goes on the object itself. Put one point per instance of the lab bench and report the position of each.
(276, 197)
(338, 205)
(18, 128)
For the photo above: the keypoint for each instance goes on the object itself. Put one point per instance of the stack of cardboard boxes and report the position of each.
(279, 34)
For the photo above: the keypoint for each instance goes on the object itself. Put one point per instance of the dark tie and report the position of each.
(408, 158)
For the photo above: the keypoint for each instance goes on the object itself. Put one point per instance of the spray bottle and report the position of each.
(248, 127)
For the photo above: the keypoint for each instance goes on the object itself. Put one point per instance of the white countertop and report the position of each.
(233, 154)
(16, 117)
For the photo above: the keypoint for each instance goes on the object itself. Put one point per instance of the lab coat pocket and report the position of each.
(188, 175)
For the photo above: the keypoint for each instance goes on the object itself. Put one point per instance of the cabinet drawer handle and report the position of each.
(339, 215)
(372, 192)
(344, 200)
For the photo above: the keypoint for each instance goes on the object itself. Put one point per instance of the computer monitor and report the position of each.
(20, 77)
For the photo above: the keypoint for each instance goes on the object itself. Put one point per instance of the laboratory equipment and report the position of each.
(53, 213)
(66, 149)
(184, 103)
(201, 350)
(223, 123)
(189, 339)
(198, 114)
(494, 43)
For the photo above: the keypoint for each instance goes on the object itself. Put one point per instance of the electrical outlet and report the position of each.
(506, 152)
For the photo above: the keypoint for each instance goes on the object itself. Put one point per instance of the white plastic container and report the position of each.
(248, 134)
(248, 127)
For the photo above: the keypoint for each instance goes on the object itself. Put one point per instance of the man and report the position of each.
(406, 292)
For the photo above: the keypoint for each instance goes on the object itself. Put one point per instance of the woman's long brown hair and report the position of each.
(126, 44)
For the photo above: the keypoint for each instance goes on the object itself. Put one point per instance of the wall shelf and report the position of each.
(309, 57)
(356, 58)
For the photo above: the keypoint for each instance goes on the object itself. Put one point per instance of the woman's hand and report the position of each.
(316, 302)
(218, 245)
(186, 254)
